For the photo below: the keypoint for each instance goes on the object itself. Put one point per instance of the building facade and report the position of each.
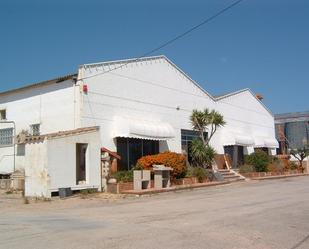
(292, 130)
(141, 106)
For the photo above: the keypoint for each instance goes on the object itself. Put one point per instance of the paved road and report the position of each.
(265, 214)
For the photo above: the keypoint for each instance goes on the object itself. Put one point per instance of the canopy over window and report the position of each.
(132, 128)
(266, 142)
(232, 138)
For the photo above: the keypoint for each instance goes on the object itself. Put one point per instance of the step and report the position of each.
(223, 170)
(230, 177)
(227, 173)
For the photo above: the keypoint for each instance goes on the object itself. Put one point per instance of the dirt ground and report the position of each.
(255, 214)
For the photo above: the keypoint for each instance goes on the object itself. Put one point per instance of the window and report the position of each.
(187, 136)
(6, 137)
(35, 129)
(3, 114)
(131, 149)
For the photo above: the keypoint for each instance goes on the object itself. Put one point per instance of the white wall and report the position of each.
(37, 180)
(61, 156)
(52, 106)
(245, 114)
(151, 90)
(51, 164)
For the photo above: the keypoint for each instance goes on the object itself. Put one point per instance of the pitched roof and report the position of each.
(133, 60)
(150, 58)
(42, 83)
(220, 97)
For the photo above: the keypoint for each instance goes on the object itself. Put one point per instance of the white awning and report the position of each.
(232, 138)
(133, 128)
(266, 142)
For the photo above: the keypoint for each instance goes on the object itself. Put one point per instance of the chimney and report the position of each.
(259, 96)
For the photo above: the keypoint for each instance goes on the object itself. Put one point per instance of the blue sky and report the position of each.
(260, 44)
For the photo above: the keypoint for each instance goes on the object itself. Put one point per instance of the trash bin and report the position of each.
(65, 192)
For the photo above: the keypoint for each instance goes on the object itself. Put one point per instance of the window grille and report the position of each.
(6, 137)
(3, 114)
(35, 129)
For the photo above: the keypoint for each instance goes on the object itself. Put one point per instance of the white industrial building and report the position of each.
(139, 106)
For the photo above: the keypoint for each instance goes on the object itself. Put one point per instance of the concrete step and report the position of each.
(231, 176)
(227, 173)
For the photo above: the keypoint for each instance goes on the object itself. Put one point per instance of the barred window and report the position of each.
(6, 137)
(35, 129)
(3, 114)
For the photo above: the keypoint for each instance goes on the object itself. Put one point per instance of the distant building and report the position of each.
(292, 130)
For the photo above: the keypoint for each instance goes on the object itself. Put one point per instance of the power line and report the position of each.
(172, 40)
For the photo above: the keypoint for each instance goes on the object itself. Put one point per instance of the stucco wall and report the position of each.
(61, 156)
(149, 91)
(245, 114)
(51, 106)
(37, 181)
(51, 164)
(152, 90)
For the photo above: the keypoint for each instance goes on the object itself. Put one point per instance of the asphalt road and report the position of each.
(265, 214)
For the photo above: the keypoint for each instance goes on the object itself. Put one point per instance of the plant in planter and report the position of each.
(201, 155)
(300, 154)
(259, 160)
(205, 122)
(123, 176)
(199, 172)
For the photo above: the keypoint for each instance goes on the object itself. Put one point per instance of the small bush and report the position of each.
(202, 156)
(246, 168)
(199, 172)
(169, 159)
(88, 191)
(276, 167)
(259, 160)
(292, 165)
(123, 176)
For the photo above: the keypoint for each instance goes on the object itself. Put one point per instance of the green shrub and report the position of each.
(202, 156)
(293, 165)
(259, 160)
(123, 176)
(246, 168)
(275, 166)
(199, 172)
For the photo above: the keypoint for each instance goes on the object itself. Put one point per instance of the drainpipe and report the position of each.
(14, 137)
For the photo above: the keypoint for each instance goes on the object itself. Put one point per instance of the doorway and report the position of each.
(81, 153)
(236, 153)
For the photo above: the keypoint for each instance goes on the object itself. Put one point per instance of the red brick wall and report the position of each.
(263, 174)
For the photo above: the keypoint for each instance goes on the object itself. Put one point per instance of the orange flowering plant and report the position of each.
(174, 160)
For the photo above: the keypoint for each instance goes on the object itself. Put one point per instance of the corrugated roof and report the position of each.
(292, 117)
(42, 83)
(29, 139)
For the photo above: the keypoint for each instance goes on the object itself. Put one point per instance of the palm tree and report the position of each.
(206, 121)
(201, 155)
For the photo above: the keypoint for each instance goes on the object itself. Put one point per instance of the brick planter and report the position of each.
(266, 174)
(121, 187)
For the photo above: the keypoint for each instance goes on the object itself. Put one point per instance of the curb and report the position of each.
(175, 189)
(276, 177)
